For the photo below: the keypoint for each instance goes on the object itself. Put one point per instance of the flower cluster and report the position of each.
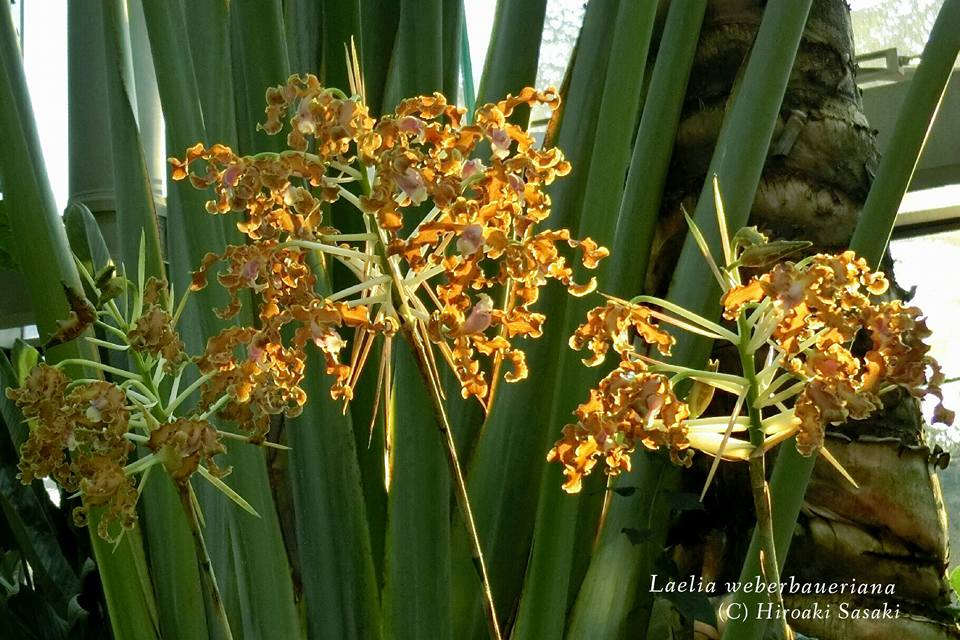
(183, 444)
(83, 432)
(823, 291)
(813, 311)
(611, 324)
(152, 332)
(837, 349)
(632, 405)
(78, 438)
(450, 253)
(445, 233)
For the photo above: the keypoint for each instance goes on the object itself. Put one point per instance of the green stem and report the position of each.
(459, 483)
(196, 384)
(96, 365)
(767, 553)
(216, 614)
(217, 621)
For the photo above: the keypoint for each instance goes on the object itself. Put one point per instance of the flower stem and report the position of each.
(459, 482)
(213, 603)
(423, 359)
(769, 567)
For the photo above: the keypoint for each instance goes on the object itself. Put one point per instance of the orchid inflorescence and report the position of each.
(443, 234)
(84, 430)
(805, 315)
(449, 253)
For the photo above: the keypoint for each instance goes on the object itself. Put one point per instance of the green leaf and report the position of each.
(303, 21)
(739, 157)
(738, 160)
(263, 585)
(508, 464)
(416, 600)
(619, 545)
(339, 583)
(23, 358)
(7, 260)
(225, 489)
(209, 31)
(42, 249)
(416, 67)
(173, 564)
(11, 378)
(514, 50)
(466, 66)
(193, 232)
(369, 438)
(955, 580)
(176, 79)
(84, 237)
(260, 61)
(619, 111)
(44, 255)
(914, 121)
(341, 586)
(417, 557)
(341, 25)
(136, 213)
(379, 20)
(451, 38)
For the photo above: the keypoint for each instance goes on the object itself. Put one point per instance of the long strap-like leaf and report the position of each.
(616, 121)
(618, 553)
(45, 259)
(259, 595)
(416, 561)
(173, 564)
(738, 161)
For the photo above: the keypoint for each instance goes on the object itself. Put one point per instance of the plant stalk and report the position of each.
(767, 549)
(459, 482)
(213, 602)
(453, 460)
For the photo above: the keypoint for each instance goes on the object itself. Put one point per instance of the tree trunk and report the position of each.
(892, 530)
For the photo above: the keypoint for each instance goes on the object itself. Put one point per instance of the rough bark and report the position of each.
(820, 167)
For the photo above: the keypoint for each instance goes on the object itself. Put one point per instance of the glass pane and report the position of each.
(884, 24)
(921, 262)
(560, 29)
(927, 263)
